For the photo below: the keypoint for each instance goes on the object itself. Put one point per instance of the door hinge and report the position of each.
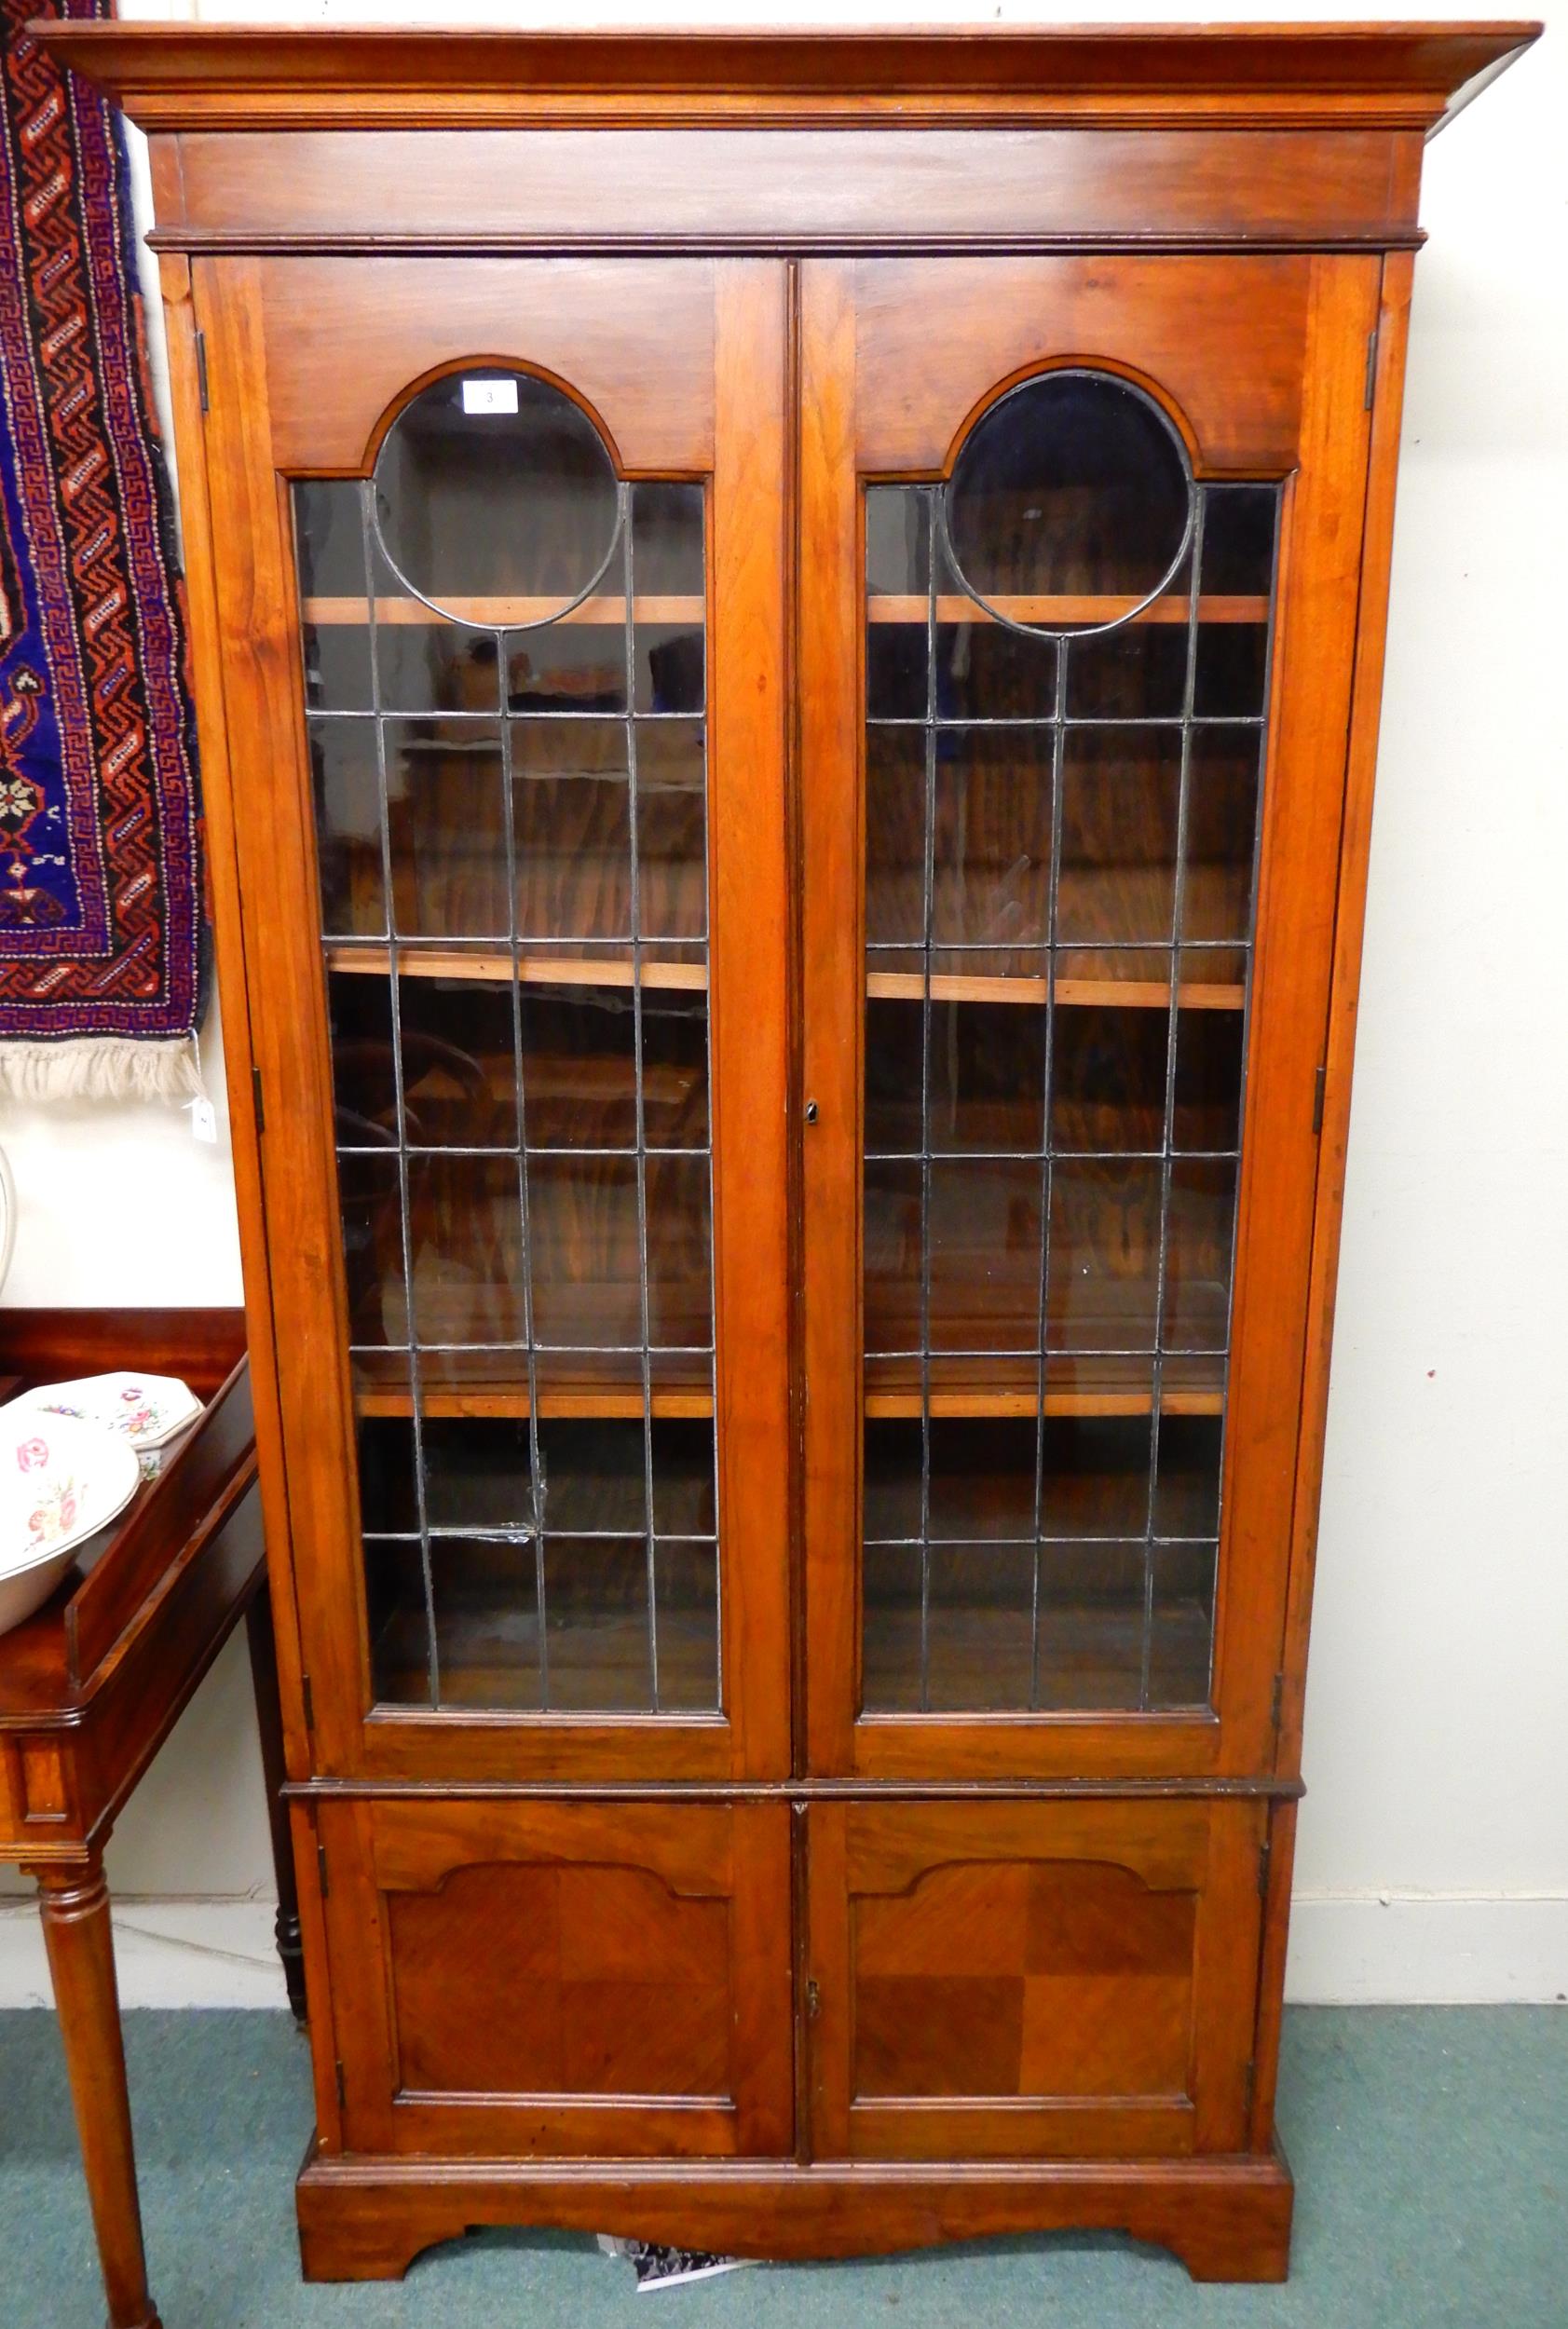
(201, 368)
(309, 1698)
(1265, 1851)
(1277, 1699)
(813, 2001)
(258, 1109)
(342, 2088)
(1319, 1083)
(321, 1870)
(1371, 368)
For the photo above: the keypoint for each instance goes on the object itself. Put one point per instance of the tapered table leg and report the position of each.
(75, 1900)
(270, 1723)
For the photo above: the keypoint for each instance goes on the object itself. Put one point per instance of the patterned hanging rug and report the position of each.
(101, 919)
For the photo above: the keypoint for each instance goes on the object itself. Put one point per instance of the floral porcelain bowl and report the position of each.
(146, 1409)
(60, 1481)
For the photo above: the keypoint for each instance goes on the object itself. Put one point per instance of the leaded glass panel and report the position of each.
(1067, 658)
(504, 665)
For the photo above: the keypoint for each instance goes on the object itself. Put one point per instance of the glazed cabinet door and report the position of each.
(1082, 539)
(500, 549)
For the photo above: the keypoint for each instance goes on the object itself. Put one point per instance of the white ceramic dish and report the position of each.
(60, 1481)
(146, 1409)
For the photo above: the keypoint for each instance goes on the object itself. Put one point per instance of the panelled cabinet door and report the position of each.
(1010, 1980)
(500, 548)
(611, 1980)
(1083, 541)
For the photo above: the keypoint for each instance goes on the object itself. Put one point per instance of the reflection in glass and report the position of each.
(1073, 483)
(495, 484)
(1108, 1089)
(460, 1088)
(505, 659)
(1120, 804)
(424, 665)
(985, 671)
(984, 805)
(330, 529)
(446, 817)
(1224, 785)
(346, 797)
(1067, 657)
(369, 1200)
(982, 1086)
(1135, 673)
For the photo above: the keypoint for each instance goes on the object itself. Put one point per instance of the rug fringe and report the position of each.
(100, 1068)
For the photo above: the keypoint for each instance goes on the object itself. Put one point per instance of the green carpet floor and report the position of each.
(1430, 2147)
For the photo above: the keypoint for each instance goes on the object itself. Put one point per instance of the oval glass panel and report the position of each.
(1070, 505)
(494, 491)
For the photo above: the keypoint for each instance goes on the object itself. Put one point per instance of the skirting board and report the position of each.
(1428, 1949)
(1356, 1949)
(167, 1953)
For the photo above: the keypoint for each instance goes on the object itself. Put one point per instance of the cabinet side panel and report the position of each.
(1371, 631)
(305, 1837)
(1303, 793)
(1271, 1972)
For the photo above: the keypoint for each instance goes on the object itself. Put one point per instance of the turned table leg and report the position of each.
(270, 1722)
(75, 1902)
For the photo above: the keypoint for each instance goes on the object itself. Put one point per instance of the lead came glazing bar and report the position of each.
(1053, 888)
(1177, 894)
(631, 653)
(538, 1484)
(416, 1405)
(928, 907)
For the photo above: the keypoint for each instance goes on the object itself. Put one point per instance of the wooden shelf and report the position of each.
(513, 1399)
(892, 1406)
(491, 1384)
(508, 1395)
(522, 614)
(1124, 994)
(601, 1401)
(492, 966)
(534, 969)
(892, 608)
(506, 614)
(1002, 1387)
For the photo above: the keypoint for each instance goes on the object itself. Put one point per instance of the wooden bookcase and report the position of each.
(788, 635)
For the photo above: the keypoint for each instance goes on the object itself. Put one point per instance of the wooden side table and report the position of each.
(92, 1686)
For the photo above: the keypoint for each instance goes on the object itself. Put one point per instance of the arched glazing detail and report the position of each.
(504, 659)
(1067, 658)
(1071, 505)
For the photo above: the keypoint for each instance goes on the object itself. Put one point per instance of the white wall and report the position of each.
(1434, 1842)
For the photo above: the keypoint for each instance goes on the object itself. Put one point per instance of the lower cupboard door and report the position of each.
(584, 1978)
(1002, 1978)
